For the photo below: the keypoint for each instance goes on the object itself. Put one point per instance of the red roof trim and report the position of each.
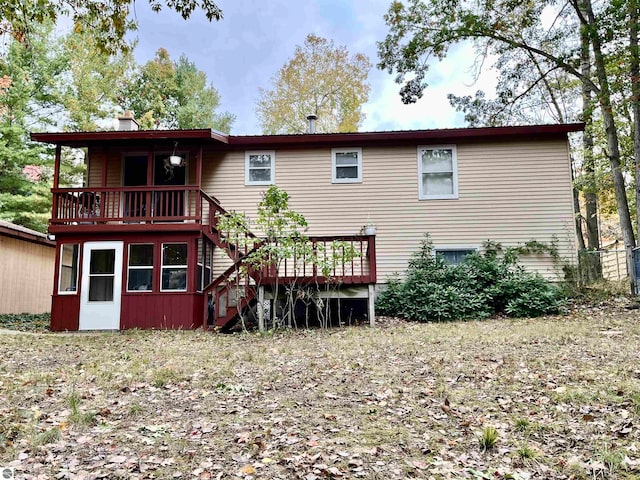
(75, 138)
(407, 135)
(450, 134)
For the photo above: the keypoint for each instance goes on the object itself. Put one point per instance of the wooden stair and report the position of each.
(232, 291)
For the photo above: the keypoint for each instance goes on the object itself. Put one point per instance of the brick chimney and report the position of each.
(127, 122)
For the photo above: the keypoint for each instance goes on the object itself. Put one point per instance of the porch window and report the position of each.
(260, 168)
(68, 281)
(438, 172)
(346, 165)
(174, 267)
(205, 259)
(140, 274)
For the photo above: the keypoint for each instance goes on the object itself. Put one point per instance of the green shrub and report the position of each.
(389, 300)
(483, 285)
(531, 296)
(25, 321)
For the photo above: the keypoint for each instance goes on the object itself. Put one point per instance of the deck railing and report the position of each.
(345, 259)
(349, 259)
(95, 205)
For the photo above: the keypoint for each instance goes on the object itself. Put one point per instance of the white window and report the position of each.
(140, 272)
(346, 165)
(454, 255)
(260, 168)
(68, 276)
(174, 267)
(438, 172)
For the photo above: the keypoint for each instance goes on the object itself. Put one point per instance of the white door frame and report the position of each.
(101, 315)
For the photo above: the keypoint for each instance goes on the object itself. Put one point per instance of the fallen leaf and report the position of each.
(247, 470)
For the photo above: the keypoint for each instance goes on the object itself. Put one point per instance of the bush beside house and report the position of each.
(484, 284)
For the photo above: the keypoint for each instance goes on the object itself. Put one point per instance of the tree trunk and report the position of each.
(591, 267)
(604, 99)
(635, 97)
(590, 196)
(579, 217)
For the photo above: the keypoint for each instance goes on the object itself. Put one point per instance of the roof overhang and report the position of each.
(84, 139)
(406, 136)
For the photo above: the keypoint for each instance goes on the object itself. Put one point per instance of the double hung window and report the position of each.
(438, 172)
(346, 165)
(260, 168)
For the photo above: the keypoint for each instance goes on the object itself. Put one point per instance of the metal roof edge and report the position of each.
(84, 138)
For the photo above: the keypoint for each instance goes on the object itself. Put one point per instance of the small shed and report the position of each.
(27, 260)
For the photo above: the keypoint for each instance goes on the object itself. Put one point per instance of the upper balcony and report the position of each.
(133, 182)
(82, 210)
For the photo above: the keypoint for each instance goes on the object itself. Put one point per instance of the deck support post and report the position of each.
(371, 304)
(261, 308)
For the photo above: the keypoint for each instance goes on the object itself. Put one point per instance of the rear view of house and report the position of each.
(139, 245)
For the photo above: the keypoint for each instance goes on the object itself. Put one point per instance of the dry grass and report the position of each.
(408, 401)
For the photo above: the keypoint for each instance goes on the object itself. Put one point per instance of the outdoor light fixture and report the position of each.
(175, 160)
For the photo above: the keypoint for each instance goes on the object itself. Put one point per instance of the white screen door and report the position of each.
(101, 286)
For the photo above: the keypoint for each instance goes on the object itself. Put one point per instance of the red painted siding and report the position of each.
(138, 310)
(65, 313)
(161, 310)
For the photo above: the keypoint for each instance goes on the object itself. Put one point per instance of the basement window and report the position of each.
(260, 168)
(68, 281)
(346, 165)
(454, 256)
(174, 267)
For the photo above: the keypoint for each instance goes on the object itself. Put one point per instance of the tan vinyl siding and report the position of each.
(94, 168)
(26, 276)
(114, 171)
(509, 192)
(114, 168)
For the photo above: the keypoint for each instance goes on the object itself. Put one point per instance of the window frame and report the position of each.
(454, 248)
(140, 267)
(334, 165)
(422, 195)
(163, 266)
(248, 168)
(77, 269)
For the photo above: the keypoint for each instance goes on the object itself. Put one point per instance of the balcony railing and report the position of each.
(100, 205)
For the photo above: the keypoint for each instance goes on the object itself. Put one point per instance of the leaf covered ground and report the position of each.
(401, 401)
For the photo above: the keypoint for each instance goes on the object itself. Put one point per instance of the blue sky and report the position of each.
(243, 51)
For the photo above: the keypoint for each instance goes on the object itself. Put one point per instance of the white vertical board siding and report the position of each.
(509, 192)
